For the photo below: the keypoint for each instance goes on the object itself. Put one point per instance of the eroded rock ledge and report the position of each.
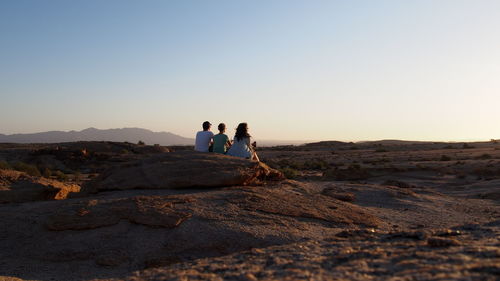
(17, 187)
(182, 169)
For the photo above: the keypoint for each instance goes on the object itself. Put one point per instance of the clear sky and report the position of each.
(294, 70)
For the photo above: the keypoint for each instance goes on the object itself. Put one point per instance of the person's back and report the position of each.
(241, 148)
(204, 138)
(221, 140)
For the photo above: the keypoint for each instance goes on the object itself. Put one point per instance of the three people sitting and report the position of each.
(240, 147)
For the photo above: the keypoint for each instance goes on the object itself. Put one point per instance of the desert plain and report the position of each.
(384, 210)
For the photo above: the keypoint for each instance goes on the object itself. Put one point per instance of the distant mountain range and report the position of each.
(132, 135)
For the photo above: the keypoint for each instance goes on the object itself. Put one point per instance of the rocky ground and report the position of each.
(469, 252)
(371, 211)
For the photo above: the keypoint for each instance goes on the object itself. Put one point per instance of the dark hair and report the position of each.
(241, 132)
(221, 127)
(206, 125)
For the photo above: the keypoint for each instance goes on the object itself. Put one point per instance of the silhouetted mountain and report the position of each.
(132, 135)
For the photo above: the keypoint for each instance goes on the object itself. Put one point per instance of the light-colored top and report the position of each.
(240, 148)
(203, 139)
(220, 141)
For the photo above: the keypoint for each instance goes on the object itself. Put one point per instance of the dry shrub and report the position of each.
(315, 164)
(467, 146)
(445, 158)
(485, 156)
(488, 173)
(31, 170)
(353, 172)
(397, 183)
(289, 173)
(4, 165)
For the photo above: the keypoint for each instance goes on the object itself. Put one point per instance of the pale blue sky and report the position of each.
(294, 70)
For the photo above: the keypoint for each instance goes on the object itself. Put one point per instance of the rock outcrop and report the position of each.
(17, 187)
(112, 233)
(182, 169)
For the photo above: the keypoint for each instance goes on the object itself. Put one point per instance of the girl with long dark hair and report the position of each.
(242, 146)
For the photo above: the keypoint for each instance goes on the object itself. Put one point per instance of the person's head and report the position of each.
(241, 131)
(222, 128)
(206, 126)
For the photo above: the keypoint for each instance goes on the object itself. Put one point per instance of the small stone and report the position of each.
(442, 242)
(257, 251)
(248, 277)
(448, 232)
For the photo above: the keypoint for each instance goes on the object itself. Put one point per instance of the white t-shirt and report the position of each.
(203, 140)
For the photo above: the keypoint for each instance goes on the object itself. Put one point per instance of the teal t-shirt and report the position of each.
(220, 141)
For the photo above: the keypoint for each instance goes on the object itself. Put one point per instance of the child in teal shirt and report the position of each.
(221, 140)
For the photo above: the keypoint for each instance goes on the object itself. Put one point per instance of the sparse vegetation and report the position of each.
(31, 170)
(60, 175)
(46, 172)
(398, 183)
(485, 156)
(445, 158)
(315, 164)
(309, 164)
(467, 146)
(289, 173)
(140, 143)
(77, 176)
(421, 167)
(353, 172)
(4, 165)
(487, 173)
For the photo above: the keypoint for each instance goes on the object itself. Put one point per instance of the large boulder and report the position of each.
(17, 187)
(182, 169)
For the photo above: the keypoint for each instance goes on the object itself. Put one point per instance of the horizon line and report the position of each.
(295, 141)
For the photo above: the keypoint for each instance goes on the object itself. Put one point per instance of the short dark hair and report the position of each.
(206, 125)
(221, 127)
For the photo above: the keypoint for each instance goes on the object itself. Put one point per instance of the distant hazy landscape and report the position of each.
(133, 135)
